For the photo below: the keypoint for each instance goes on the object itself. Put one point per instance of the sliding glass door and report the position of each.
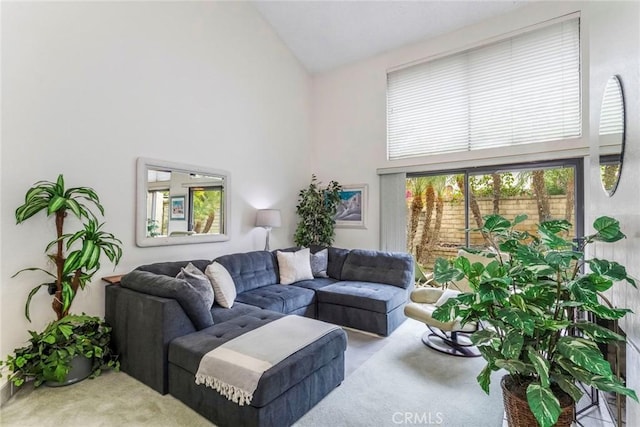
(445, 209)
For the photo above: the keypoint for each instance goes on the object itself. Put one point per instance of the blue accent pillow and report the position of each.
(319, 262)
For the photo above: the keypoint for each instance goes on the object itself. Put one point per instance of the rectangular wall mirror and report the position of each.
(179, 204)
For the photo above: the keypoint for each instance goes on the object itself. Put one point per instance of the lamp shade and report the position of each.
(268, 218)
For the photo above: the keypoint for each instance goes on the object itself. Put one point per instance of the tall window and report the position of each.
(522, 90)
(444, 207)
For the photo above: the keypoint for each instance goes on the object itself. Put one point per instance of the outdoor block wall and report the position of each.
(452, 230)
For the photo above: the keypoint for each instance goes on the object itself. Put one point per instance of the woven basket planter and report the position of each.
(519, 414)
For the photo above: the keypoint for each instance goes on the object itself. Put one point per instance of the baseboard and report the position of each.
(6, 391)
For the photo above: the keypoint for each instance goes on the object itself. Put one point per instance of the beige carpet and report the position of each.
(390, 381)
(408, 384)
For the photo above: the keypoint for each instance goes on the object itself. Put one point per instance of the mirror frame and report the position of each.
(143, 164)
(612, 190)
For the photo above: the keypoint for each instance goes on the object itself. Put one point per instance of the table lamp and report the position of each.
(268, 218)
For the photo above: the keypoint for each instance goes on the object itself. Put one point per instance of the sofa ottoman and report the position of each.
(285, 392)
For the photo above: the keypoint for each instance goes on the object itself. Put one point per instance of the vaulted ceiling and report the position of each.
(328, 34)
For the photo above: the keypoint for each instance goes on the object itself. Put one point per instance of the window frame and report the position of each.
(577, 163)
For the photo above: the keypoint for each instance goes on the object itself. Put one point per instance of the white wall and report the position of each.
(614, 40)
(89, 87)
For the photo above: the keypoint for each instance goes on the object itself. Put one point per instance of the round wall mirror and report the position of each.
(611, 135)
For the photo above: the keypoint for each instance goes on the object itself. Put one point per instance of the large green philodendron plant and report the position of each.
(532, 299)
(73, 270)
(317, 207)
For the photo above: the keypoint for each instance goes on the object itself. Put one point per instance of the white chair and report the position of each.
(446, 337)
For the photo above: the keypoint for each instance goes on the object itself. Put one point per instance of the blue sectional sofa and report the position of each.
(161, 331)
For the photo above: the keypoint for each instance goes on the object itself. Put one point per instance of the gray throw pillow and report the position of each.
(319, 262)
(198, 311)
(199, 283)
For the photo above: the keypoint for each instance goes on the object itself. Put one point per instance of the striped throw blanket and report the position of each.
(234, 369)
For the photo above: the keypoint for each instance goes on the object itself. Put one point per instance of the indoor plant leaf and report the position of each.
(555, 226)
(573, 369)
(585, 354)
(518, 219)
(568, 387)
(55, 204)
(495, 223)
(594, 282)
(29, 297)
(613, 385)
(444, 272)
(520, 320)
(541, 366)
(486, 337)
(484, 378)
(512, 344)
(544, 405)
(513, 366)
(610, 269)
(608, 230)
(606, 312)
(446, 311)
(598, 333)
(552, 240)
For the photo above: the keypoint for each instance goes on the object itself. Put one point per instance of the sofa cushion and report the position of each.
(376, 297)
(337, 256)
(280, 298)
(186, 352)
(315, 283)
(198, 311)
(223, 285)
(172, 268)
(294, 266)
(392, 268)
(250, 270)
(319, 262)
(221, 314)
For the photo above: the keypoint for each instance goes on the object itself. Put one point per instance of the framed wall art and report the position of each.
(352, 209)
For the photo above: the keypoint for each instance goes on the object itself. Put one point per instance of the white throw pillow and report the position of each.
(223, 287)
(294, 266)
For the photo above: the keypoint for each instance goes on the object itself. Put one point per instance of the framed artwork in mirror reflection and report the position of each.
(177, 211)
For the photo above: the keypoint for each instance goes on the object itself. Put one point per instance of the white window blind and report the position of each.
(521, 90)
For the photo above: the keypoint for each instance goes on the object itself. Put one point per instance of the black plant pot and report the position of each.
(80, 369)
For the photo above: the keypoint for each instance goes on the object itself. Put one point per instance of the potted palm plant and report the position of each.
(538, 305)
(69, 340)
